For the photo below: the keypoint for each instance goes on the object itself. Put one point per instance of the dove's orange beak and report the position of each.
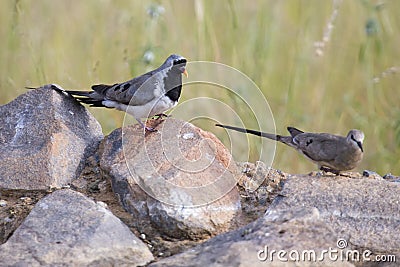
(186, 73)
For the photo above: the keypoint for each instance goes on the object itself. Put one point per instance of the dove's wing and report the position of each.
(320, 147)
(135, 92)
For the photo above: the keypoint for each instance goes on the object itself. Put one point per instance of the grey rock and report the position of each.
(68, 229)
(365, 212)
(45, 136)
(258, 176)
(181, 180)
(371, 174)
(353, 216)
(293, 231)
(392, 178)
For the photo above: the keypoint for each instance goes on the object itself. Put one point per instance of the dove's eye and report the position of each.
(179, 61)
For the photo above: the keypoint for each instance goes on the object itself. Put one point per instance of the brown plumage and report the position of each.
(330, 152)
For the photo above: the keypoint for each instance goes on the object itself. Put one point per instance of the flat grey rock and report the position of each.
(68, 229)
(365, 212)
(297, 232)
(352, 216)
(47, 137)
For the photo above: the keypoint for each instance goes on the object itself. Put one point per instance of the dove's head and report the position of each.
(356, 137)
(176, 62)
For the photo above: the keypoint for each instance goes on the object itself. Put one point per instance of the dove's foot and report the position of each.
(149, 129)
(325, 169)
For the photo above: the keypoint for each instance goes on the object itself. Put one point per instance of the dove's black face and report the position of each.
(179, 64)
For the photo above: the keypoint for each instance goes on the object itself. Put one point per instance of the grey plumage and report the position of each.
(330, 152)
(144, 96)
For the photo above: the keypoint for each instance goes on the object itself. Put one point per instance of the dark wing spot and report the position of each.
(116, 88)
(126, 87)
(309, 141)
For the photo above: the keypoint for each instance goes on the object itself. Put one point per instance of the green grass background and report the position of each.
(352, 83)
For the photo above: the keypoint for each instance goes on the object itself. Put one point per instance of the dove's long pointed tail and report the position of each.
(61, 90)
(243, 130)
(81, 96)
(85, 97)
